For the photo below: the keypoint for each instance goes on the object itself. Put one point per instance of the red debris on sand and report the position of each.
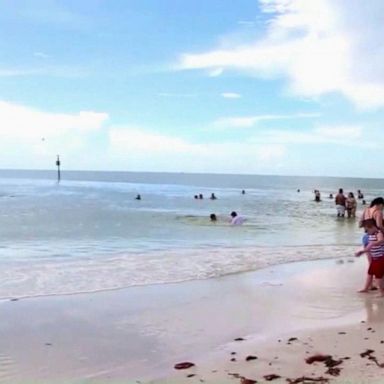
(250, 357)
(326, 359)
(305, 379)
(271, 377)
(184, 365)
(368, 352)
(317, 358)
(333, 371)
(244, 380)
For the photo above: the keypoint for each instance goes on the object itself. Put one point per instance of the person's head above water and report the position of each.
(233, 214)
(376, 202)
(213, 217)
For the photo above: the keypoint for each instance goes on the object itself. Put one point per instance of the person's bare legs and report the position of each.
(368, 284)
(373, 286)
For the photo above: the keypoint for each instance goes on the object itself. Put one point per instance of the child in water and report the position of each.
(375, 251)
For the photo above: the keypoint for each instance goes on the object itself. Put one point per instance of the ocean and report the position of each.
(88, 233)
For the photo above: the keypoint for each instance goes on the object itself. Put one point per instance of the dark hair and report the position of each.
(377, 201)
(341, 190)
(233, 214)
(350, 194)
(369, 223)
(213, 217)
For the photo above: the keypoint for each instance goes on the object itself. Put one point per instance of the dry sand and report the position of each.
(344, 349)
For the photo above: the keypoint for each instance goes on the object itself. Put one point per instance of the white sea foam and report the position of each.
(27, 279)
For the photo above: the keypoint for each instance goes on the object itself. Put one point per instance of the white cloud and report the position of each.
(41, 55)
(23, 123)
(36, 136)
(338, 135)
(216, 72)
(135, 139)
(250, 121)
(231, 95)
(149, 150)
(320, 46)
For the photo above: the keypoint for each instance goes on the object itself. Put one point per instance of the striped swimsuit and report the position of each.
(378, 250)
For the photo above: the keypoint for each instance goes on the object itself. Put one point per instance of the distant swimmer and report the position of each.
(236, 219)
(213, 217)
(213, 197)
(196, 197)
(298, 190)
(243, 192)
(317, 196)
(363, 202)
(330, 196)
(201, 196)
(360, 194)
(138, 197)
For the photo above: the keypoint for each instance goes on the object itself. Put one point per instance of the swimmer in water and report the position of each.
(213, 217)
(236, 219)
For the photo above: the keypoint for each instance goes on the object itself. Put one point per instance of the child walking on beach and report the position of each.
(375, 252)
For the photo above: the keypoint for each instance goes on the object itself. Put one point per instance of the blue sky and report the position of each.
(291, 87)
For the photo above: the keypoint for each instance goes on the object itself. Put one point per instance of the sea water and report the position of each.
(88, 233)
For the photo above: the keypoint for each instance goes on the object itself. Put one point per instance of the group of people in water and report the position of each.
(200, 196)
(235, 219)
(344, 204)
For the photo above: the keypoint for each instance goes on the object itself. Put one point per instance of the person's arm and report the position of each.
(379, 241)
(378, 216)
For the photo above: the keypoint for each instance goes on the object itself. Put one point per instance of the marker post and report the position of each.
(58, 169)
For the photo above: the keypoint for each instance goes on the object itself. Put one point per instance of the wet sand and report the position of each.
(140, 333)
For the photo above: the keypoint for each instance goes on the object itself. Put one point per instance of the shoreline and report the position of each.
(238, 260)
(139, 333)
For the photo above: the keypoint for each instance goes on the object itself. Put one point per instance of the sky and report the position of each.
(287, 87)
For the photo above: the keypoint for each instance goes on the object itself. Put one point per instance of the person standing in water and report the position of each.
(350, 205)
(340, 203)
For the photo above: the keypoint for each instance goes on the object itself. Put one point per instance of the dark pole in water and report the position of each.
(58, 168)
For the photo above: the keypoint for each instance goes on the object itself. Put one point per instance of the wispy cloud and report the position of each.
(13, 72)
(170, 94)
(319, 46)
(231, 95)
(250, 121)
(215, 72)
(41, 55)
(341, 135)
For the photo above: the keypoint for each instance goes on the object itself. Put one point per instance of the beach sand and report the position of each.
(140, 333)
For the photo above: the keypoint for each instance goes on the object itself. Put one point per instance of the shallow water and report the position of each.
(88, 233)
